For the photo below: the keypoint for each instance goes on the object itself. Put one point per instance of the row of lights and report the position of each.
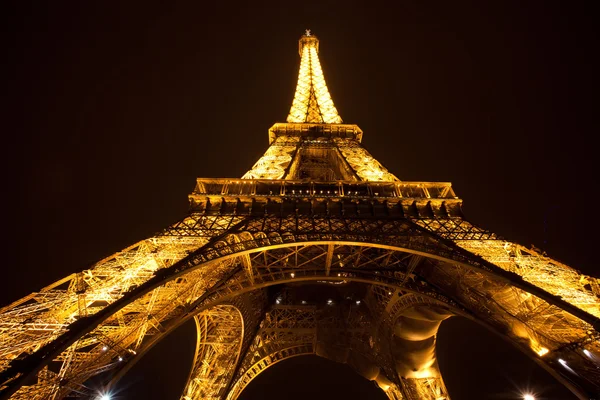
(293, 274)
(105, 348)
(328, 192)
(329, 303)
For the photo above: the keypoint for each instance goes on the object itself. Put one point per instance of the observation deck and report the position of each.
(282, 197)
(315, 130)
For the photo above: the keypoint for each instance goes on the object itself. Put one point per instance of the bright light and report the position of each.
(563, 362)
(542, 351)
(292, 275)
(120, 358)
(587, 353)
(528, 397)
(357, 302)
(104, 348)
(105, 396)
(329, 302)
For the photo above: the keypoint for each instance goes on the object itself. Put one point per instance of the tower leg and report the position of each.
(224, 333)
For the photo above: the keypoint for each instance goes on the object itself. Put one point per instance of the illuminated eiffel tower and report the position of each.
(318, 249)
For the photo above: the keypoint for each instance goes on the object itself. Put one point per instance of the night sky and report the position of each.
(112, 110)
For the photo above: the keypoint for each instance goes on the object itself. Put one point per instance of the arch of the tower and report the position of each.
(385, 334)
(389, 317)
(388, 339)
(248, 262)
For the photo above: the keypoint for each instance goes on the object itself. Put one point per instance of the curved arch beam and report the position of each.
(266, 362)
(220, 333)
(291, 330)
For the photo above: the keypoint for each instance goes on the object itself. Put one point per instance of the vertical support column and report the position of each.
(328, 259)
(220, 334)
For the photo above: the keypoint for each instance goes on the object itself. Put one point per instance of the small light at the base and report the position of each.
(292, 274)
(120, 358)
(542, 351)
(528, 397)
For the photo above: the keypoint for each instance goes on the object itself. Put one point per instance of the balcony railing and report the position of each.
(307, 189)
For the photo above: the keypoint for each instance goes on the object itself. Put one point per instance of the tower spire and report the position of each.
(312, 102)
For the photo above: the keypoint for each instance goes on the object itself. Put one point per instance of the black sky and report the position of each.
(112, 110)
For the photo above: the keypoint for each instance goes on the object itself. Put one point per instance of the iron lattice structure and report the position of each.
(318, 249)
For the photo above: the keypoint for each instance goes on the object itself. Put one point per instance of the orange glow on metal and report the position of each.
(542, 351)
(312, 102)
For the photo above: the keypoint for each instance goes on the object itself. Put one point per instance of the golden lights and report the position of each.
(312, 102)
(556, 278)
(541, 351)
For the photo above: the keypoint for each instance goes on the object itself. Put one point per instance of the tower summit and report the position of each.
(312, 102)
(318, 249)
(314, 143)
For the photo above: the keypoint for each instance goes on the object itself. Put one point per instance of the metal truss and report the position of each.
(285, 332)
(292, 330)
(221, 342)
(276, 160)
(366, 167)
(29, 323)
(412, 320)
(220, 333)
(543, 272)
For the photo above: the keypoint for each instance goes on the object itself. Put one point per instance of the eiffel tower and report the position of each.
(318, 249)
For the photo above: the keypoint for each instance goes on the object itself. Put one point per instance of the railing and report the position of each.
(315, 130)
(303, 189)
